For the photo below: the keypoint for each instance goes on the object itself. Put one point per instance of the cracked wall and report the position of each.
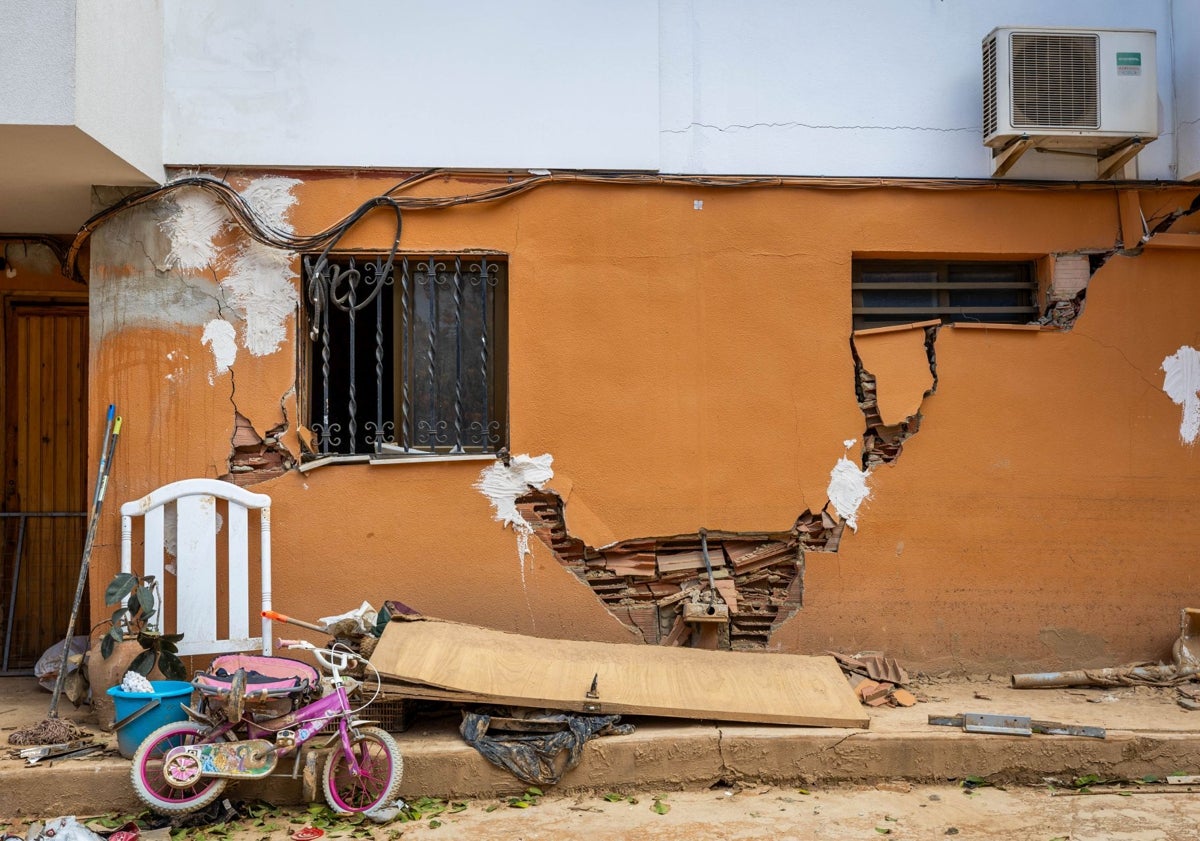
(172, 307)
(690, 367)
(647, 582)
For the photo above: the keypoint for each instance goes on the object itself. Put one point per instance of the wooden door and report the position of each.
(44, 474)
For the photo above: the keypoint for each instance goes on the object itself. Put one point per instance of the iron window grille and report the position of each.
(408, 359)
(887, 292)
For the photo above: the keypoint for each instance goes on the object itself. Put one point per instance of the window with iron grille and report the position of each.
(408, 359)
(889, 292)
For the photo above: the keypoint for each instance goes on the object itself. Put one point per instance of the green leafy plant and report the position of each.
(135, 620)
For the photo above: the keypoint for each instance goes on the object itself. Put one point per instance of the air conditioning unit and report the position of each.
(1072, 89)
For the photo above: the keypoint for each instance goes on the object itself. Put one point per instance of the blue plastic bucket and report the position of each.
(171, 695)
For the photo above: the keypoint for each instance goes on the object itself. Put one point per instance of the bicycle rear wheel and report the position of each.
(149, 780)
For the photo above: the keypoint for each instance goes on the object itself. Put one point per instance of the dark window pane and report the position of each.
(424, 356)
(942, 291)
(899, 277)
(900, 298)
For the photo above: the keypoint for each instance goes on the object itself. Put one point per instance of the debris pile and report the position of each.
(875, 679)
(882, 443)
(256, 458)
(647, 582)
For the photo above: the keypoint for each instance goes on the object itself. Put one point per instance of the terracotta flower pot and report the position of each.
(104, 674)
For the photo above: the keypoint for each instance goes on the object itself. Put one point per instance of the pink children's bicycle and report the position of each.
(256, 711)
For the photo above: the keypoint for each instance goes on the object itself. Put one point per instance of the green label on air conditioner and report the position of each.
(1129, 64)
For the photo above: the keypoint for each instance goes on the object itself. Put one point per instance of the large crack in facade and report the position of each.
(646, 582)
(882, 443)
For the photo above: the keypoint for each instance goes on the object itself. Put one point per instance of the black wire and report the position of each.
(262, 230)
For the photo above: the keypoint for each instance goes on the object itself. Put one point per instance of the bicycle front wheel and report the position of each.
(381, 766)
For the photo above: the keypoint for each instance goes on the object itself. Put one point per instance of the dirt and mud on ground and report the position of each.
(1074, 811)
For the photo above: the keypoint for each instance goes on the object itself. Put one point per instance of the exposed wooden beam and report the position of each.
(1004, 160)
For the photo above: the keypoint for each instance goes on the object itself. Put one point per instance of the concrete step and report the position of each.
(1147, 734)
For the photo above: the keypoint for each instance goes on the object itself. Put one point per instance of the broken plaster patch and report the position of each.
(219, 335)
(260, 280)
(502, 484)
(1182, 384)
(848, 488)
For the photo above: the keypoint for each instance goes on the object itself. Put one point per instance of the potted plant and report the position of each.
(136, 620)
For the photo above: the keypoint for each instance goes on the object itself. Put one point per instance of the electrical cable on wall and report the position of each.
(261, 230)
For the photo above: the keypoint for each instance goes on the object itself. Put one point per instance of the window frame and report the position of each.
(403, 359)
(942, 286)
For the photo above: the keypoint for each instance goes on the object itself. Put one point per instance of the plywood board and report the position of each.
(477, 664)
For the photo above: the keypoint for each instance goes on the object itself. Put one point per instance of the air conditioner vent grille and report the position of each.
(1055, 80)
(989, 86)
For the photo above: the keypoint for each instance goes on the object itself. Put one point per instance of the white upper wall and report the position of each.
(871, 87)
(80, 104)
(804, 87)
(1187, 86)
(413, 83)
(37, 62)
(118, 79)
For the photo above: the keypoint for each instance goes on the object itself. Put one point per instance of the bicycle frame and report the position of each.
(306, 723)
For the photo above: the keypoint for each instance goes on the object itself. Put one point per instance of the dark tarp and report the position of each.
(539, 758)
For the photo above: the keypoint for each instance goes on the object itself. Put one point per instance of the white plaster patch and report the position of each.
(848, 488)
(502, 485)
(272, 198)
(260, 285)
(192, 227)
(220, 336)
(261, 279)
(1182, 384)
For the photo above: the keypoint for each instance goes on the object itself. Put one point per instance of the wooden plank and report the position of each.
(484, 665)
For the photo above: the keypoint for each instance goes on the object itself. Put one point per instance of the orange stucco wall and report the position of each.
(692, 368)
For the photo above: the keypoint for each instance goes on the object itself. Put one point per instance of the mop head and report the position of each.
(49, 731)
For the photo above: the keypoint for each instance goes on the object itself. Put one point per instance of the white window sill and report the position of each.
(399, 458)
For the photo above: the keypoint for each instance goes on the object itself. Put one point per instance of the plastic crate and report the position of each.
(393, 714)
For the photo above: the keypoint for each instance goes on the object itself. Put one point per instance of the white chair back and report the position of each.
(195, 612)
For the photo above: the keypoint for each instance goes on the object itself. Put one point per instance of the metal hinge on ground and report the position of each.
(1014, 725)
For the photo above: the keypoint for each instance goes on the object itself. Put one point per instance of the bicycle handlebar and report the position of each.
(327, 657)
